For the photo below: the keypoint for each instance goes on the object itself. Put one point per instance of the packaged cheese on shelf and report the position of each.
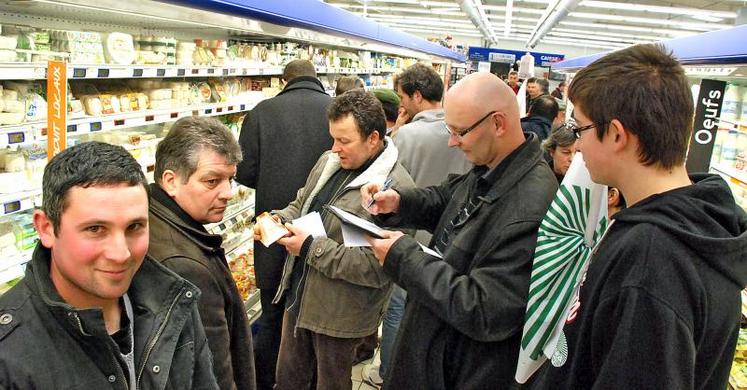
(11, 118)
(35, 107)
(119, 48)
(92, 105)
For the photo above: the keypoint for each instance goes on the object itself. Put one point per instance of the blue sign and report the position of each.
(544, 60)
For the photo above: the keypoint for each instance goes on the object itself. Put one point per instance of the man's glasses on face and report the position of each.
(462, 133)
(575, 129)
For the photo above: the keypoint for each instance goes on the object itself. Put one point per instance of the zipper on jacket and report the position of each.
(153, 342)
(116, 363)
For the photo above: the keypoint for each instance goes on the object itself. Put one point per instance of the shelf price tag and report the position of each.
(56, 107)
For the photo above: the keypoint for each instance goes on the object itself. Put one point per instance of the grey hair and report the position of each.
(561, 136)
(179, 151)
(85, 165)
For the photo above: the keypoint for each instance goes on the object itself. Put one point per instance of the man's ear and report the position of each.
(499, 119)
(618, 135)
(44, 228)
(374, 138)
(417, 97)
(168, 182)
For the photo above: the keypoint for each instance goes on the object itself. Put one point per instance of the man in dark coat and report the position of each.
(540, 117)
(465, 311)
(282, 138)
(93, 311)
(195, 164)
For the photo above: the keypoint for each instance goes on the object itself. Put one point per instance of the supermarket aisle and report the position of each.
(358, 383)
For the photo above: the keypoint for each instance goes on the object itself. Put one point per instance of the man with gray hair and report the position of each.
(195, 165)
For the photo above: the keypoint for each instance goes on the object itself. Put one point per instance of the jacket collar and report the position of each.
(434, 115)
(152, 288)
(304, 82)
(522, 160)
(377, 172)
(197, 234)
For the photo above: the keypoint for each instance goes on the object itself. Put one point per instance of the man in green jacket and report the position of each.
(336, 294)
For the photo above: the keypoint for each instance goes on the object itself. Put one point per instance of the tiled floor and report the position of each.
(358, 383)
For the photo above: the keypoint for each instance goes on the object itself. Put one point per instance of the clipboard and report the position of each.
(355, 221)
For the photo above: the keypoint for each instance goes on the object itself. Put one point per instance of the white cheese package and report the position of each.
(11, 118)
(35, 107)
(8, 43)
(119, 48)
(13, 106)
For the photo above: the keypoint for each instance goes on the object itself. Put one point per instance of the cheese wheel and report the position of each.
(119, 48)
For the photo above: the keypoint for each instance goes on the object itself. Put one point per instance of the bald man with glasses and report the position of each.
(463, 320)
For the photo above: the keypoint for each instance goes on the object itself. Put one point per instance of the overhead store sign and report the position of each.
(707, 113)
(56, 107)
(502, 57)
(545, 60)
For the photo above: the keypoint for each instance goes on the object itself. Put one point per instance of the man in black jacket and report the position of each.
(540, 117)
(660, 304)
(463, 320)
(93, 311)
(195, 164)
(282, 138)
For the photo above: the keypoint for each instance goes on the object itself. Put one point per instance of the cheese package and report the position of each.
(119, 48)
(13, 106)
(11, 118)
(8, 43)
(92, 104)
(35, 107)
(10, 94)
(269, 229)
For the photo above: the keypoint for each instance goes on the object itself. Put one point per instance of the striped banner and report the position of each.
(564, 245)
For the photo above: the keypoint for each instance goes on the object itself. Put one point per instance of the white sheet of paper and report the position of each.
(312, 223)
(352, 237)
(356, 221)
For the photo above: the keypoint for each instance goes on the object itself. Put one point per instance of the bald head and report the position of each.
(475, 97)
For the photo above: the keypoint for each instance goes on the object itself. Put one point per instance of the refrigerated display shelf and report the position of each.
(19, 201)
(253, 306)
(244, 211)
(12, 266)
(732, 173)
(38, 71)
(35, 131)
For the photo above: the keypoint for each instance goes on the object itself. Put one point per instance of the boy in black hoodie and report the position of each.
(660, 304)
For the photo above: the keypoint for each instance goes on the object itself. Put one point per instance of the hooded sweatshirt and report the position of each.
(660, 305)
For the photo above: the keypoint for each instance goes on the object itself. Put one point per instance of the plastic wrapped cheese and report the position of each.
(35, 107)
(159, 94)
(124, 103)
(13, 106)
(119, 48)
(92, 105)
(11, 118)
(10, 94)
(8, 43)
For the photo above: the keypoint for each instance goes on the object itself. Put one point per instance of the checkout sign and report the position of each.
(56, 107)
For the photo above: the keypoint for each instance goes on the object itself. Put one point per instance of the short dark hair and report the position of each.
(421, 78)
(298, 68)
(544, 106)
(645, 88)
(179, 150)
(513, 72)
(560, 137)
(88, 164)
(365, 109)
(544, 85)
(346, 83)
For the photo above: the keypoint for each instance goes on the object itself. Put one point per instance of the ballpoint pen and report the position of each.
(387, 184)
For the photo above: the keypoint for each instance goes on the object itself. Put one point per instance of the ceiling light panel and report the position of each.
(658, 9)
(634, 19)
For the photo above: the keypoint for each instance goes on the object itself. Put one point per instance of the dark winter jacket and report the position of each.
(464, 316)
(47, 344)
(282, 138)
(660, 305)
(182, 245)
(537, 125)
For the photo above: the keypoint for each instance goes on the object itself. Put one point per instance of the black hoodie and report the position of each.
(660, 305)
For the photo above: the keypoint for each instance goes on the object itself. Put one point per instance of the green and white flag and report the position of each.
(574, 223)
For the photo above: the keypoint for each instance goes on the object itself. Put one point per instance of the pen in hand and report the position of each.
(386, 186)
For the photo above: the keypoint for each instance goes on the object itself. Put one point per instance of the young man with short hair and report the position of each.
(195, 165)
(93, 311)
(660, 304)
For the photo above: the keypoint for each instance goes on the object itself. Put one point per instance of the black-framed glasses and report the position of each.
(576, 130)
(460, 134)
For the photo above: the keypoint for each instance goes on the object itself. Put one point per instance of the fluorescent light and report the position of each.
(425, 23)
(444, 4)
(593, 37)
(611, 34)
(575, 42)
(514, 18)
(405, 10)
(635, 19)
(659, 9)
(507, 20)
(606, 26)
(520, 10)
(706, 18)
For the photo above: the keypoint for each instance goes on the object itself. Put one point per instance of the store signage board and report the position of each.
(56, 107)
(707, 113)
(477, 54)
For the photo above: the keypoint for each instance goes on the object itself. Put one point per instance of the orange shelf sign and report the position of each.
(56, 107)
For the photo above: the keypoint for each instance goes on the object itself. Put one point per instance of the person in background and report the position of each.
(536, 87)
(390, 102)
(195, 165)
(513, 81)
(560, 148)
(336, 294)
(424, 151)
(541, 116)
(281, 139)
(560, 118)
(346, 83)
(615, 201)
(559, 91)
(465, 311)
(660, 304)
(93, 310)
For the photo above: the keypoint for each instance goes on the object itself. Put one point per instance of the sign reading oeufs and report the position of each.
(707, 113)
(56, 107)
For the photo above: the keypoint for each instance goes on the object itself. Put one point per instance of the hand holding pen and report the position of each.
(380, 199)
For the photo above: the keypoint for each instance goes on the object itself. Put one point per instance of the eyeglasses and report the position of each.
(460, 134)
(575, 129)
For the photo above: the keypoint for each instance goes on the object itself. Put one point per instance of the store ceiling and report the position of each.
(599, 24)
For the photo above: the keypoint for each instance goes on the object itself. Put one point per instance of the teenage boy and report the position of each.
(660, 305)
